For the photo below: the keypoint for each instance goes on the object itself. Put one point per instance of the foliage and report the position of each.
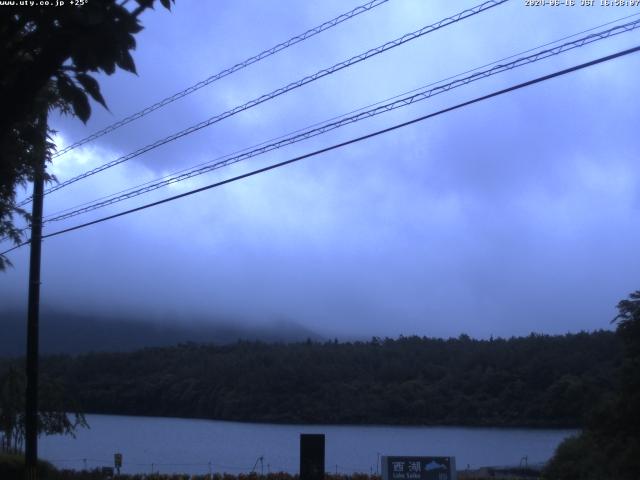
(571, 463)
(48, 56)
(21, 147)
(12, 468)
(538, 380)
(11, 410)
(609, 447)
(52, 416)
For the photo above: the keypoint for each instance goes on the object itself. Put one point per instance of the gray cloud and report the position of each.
(511, 216)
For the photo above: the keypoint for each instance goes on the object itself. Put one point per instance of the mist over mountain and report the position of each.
(80, 333)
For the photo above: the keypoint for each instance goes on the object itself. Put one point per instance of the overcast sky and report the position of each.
(515, 215)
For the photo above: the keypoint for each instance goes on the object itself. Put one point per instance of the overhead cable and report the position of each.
(343, 144)
(312, 132)
(280, 91)
(246, 149)
(228, 71)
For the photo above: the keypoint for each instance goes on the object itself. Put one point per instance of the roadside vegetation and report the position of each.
(609, 446)
(11, 468)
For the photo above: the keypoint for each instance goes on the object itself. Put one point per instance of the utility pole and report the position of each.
(33, 312)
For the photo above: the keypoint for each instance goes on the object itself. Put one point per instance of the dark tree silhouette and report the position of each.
(48, 55)
(53, 417)
(609, 447)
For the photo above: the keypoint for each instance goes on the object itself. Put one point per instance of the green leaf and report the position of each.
(73, 95)
(92, 87)
(166, 4)
(125, 61)
(65, 87)
(108, 66)
(81, 106)
(145, 3)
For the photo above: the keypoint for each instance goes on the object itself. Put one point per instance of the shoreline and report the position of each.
(525, 426)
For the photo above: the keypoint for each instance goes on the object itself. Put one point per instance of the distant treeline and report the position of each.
(539, 380)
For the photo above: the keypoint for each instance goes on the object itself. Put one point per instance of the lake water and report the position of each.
(198, 446)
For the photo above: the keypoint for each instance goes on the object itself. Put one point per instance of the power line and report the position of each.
(280, 91)
(174, 176)
(348, 142)
(326, 127)
(228, 71)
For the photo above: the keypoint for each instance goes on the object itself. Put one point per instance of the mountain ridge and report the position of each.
(64, 333)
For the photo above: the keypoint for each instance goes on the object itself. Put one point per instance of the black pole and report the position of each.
(33, 313)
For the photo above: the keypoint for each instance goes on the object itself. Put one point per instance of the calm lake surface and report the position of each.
(198, 446)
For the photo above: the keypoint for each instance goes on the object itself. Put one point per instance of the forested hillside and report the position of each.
(537, 380)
